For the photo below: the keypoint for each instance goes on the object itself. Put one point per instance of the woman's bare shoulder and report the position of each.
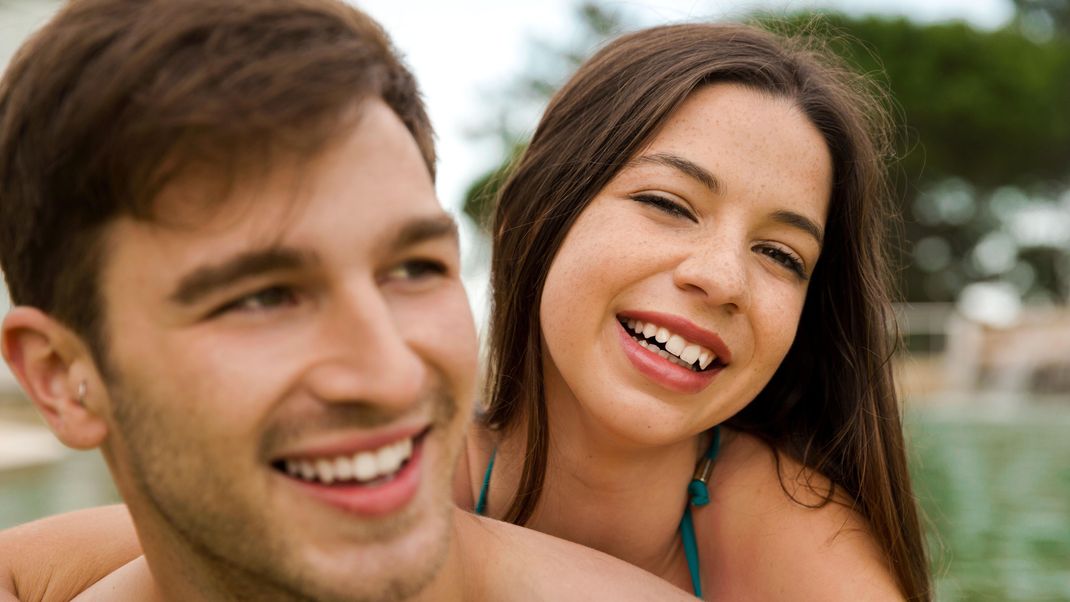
(775, 528)
(57, 557)
(517, 563)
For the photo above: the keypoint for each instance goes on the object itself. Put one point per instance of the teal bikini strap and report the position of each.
(481, 504)
(687, 532)
(699, 492)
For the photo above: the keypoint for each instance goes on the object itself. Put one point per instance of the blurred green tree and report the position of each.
(980, 112)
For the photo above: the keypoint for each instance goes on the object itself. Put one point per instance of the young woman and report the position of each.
(691, 249)
(689, 351)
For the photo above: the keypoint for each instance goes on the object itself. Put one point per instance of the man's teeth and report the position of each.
(362, 466)
(677, 349)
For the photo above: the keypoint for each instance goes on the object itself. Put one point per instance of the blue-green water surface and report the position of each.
(995, 486)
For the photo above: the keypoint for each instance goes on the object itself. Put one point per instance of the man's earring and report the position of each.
(81, 393)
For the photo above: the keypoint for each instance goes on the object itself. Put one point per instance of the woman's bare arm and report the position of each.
(56, 558)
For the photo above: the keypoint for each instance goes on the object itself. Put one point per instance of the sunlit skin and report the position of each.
(714, 227)
(324, 340)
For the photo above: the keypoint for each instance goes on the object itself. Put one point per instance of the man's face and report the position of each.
(292, 371)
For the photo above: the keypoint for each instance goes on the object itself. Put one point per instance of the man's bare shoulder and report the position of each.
(773, 532)
(515, 563)
(56, 558)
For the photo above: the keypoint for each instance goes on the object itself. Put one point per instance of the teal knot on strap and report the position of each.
(699, 492)
(698, 489)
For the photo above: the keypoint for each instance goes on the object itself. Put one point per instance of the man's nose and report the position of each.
(716, 270)
(365, 358)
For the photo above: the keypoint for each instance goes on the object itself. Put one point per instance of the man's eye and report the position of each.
(417, 269)
(265, 299)
(664, 205)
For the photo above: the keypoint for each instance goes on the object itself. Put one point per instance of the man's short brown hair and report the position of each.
(113, 98)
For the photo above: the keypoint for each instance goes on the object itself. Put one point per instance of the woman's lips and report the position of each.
(661, 371)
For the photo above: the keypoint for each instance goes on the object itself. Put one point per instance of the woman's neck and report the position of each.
(604, 492)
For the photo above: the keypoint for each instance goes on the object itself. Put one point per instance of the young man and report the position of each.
(219, 228)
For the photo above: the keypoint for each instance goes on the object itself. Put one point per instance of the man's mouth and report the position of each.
(366, 467)
(676, 349)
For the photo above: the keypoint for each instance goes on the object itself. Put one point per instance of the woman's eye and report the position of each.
(417, 269)
(664, 205)
(273, 297)
(786, 259)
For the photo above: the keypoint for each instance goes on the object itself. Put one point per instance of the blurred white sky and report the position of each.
(462, 49)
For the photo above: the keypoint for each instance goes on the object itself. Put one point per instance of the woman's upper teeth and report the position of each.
(675, 344)
(362, 466)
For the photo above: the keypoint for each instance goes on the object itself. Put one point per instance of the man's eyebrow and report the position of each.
(688, 168)
(423, 229)
(801, 222)
(207, 279)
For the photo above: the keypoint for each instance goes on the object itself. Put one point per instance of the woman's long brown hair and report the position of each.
(831, 404)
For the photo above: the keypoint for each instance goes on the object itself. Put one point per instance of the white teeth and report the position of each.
(676, 344)
(673, 347)
(363, 466)
(343, 469)
(325, 468)
(704, 360)
(690, 354)
(388, 460)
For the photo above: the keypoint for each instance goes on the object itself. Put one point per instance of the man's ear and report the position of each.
(57, 371)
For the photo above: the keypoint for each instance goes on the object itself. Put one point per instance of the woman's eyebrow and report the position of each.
(800, 222)
(688, 168)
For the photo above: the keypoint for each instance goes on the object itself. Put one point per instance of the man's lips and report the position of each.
(360, 458)
(370, 482)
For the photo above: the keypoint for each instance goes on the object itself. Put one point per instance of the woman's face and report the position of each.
(698, 252)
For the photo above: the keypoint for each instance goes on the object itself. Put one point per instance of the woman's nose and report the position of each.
(717, 271)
